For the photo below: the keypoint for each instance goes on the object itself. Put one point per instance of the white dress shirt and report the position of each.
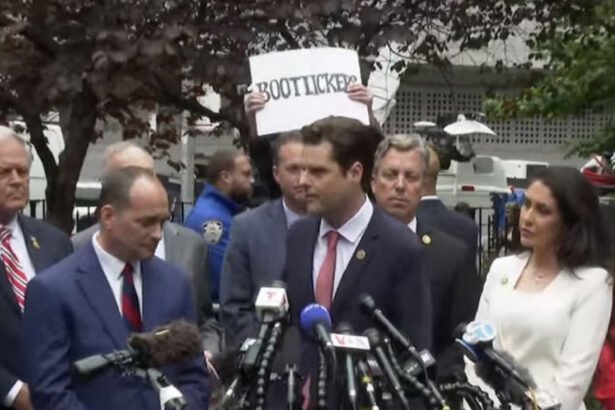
(160, 252)
(350, 235)
(113, 267)
(291, 216)
(557, 333)
(412, 225)
(18, 244)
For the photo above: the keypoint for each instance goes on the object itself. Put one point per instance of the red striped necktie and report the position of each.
(130, 300)
(14, 271)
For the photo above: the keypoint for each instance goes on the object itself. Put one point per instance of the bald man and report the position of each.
(178, 245)
(434, 214)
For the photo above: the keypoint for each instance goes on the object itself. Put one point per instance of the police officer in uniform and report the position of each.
(229, 174)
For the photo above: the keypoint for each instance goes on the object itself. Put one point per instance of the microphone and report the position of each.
(368, 306)
(376, 343)
(316, 322)
(346, 332)
(172, 343)
(167, 344)
(476, 339)
(287, 363)
(272, 303)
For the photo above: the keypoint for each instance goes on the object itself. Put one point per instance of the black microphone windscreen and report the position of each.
(344, 328)
(373, 335)
(172, 343)
(367, 303)
(278, 284)
(460, 330)
(290, 351)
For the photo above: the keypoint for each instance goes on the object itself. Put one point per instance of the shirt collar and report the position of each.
(291, 216)
(429, 197)
(211, 190)
(412, 225)
(112, 263)
(15, 229)
(354, 227)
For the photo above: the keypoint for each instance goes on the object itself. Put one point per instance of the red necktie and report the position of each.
(324, 291)
(130, 300)
(14, 271)
(326, 274)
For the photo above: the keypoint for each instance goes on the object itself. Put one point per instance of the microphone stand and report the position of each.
(322, 381)
(170, 397)
(412, 380)
(472, 394)
(264, 370)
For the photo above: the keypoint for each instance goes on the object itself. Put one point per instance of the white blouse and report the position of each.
(556, 333)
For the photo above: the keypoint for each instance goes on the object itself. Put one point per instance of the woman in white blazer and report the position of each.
(551, 305)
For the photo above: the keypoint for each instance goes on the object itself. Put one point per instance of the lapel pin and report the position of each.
(426, 239)
(35, 243)
(360, 254)
(504, 280)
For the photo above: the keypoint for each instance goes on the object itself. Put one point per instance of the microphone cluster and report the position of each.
(378, 368)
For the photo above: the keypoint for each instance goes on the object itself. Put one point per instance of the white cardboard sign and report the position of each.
(302, 86)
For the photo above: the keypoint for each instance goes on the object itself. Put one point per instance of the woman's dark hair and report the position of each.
(586, 238)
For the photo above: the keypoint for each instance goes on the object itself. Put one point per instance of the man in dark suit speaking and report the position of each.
(27, 246)
(93, 300)
(398, 178)
(348, 247)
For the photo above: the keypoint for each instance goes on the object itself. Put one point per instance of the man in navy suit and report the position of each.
(91, 302)
(257, 247)
(399, 169)
(27, 247)
(348, 246)
(434, 214)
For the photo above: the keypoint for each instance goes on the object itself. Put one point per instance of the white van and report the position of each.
(519, 171)
(472, 182)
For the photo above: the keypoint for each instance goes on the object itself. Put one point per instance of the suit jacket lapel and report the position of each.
(362, 257)
(306, 262)
(7, 290)
(99, 295)
(278, 231)
(153, 295)
(32, 244)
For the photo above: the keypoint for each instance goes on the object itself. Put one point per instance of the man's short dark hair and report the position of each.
(352, 142)
(116, 186)
(283, 139)
(221, 160)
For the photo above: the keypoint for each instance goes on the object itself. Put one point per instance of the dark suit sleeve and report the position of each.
(209, 327)
(464, 293)
(7, 381)
(191, 376)
(412, 297)
(237, 290)
(47, 360)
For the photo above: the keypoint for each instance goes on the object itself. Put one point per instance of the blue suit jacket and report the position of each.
(71, 314)
(46, 245)
(390, 271)
(254, 258)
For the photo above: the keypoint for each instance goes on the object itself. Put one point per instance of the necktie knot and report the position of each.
(332, 238)
(128, 270)
(5, 233)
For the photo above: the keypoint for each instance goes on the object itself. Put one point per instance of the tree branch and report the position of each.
(40, 38)
(36, 131)
(286, 35)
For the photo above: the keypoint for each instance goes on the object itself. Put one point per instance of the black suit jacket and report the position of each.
(390, 271)
(46, 245)
(434, 214)
(455, 291)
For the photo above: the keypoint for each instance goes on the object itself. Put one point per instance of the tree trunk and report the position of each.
(77, 121)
